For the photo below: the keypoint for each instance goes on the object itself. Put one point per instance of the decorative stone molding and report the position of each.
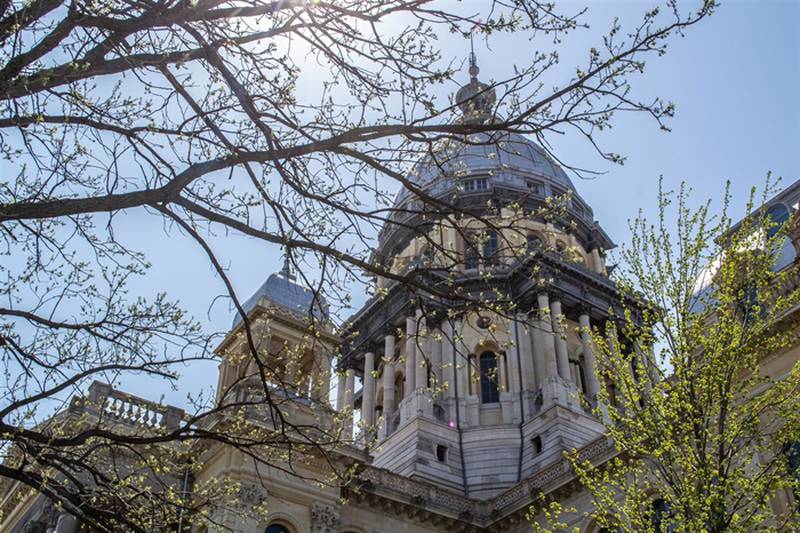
(324, 518)
(481, 512)
(251, 494)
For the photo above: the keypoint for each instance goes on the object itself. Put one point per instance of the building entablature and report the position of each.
(580, 290)
(434, 505)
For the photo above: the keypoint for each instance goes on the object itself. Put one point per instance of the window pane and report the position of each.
(489, 393)
(778, 215)
(471, 255)
(490, 248)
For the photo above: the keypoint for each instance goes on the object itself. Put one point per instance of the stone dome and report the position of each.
(472, 169)
(502, 158)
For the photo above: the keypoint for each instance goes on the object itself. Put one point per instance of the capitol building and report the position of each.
(456, 412)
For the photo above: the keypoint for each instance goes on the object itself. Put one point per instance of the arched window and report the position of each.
(481, 248)
(662, 516)
(277, 528)
(472, 256)
(399, 388)
(792, 453)
(491, 249)
(536, 445)
(489, 392)
(778, 214)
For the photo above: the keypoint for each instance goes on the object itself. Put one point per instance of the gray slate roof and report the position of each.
(283, 291)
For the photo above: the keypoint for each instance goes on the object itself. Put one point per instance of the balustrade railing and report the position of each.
(104, 400)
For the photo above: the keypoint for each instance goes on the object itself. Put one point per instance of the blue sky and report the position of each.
(735, 79)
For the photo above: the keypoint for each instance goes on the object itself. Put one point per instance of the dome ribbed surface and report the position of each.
(502, 158)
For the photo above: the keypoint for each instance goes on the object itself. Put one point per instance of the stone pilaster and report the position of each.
(516, 331)
(562, 357)
(548, 338)
(536, 343)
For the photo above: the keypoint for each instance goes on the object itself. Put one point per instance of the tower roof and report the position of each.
(282, 290)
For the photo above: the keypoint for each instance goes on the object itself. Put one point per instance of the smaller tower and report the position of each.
(290, 330)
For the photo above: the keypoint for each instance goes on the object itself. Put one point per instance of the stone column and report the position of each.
(421, 362)
(350, 384)
(388, 395)
(411, 365)
(340, 388)
(368, 398)
(592, 385)
(388, 380)
(547, 337)
(598, 261)
(562, 357)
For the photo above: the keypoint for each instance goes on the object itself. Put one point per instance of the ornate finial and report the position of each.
(475, 99)
(473, 62)
(286, 271)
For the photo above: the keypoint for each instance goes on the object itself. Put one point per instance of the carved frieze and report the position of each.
(251, 494)
(324, 518)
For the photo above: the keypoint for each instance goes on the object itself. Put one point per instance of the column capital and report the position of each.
(543, 299)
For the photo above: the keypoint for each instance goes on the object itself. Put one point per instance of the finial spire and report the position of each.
(475, 99)
(473, 62)
(286, 271)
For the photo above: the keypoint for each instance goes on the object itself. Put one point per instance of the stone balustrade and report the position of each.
(104, 400)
